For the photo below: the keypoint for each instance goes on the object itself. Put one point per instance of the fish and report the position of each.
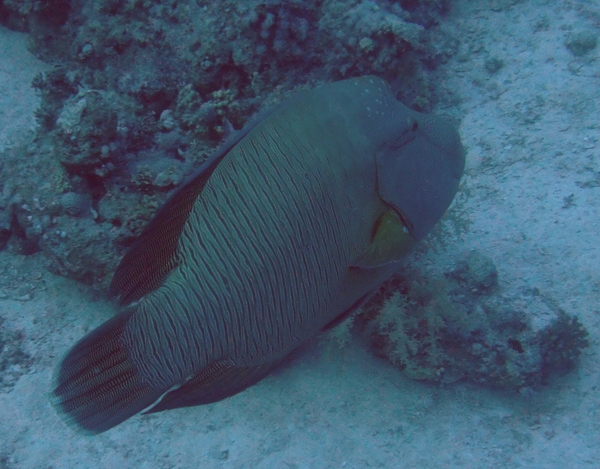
(286, 228)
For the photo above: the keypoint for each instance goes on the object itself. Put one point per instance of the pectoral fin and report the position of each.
(390, 242)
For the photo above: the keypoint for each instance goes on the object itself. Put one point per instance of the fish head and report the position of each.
(419, 167)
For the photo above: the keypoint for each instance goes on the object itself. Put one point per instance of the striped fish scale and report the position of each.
(242, 243)
(284, 229)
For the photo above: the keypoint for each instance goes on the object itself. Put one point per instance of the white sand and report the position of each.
(532, 132)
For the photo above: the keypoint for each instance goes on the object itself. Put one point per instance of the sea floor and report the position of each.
(530, 120)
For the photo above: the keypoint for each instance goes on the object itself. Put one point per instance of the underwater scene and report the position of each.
(299, 234)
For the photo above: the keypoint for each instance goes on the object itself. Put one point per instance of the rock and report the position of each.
(86, 124)
(477, 273)
(75, 205)
(581, 42)
(5, 227)
(443, 330)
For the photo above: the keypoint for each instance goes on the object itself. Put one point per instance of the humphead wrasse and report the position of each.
(285, 228)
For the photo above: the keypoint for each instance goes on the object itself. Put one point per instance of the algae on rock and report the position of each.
(464, 326)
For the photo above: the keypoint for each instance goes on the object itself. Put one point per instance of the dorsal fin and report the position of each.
(390, 242)
(154, 253)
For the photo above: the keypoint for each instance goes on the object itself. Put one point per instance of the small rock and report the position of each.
(477, 273)
(581, 42)
(75, 205)
(493, 64)
(167, 122)
(482, 271)
(24, 298)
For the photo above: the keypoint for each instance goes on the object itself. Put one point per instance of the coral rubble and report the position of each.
(464, 326)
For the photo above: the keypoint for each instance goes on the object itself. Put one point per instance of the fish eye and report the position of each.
(415, 126)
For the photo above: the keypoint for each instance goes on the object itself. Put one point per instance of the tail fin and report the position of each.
(97, 386)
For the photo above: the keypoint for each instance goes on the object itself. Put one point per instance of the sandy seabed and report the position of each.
(531, 128)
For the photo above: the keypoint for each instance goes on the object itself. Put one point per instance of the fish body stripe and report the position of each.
(263, 253)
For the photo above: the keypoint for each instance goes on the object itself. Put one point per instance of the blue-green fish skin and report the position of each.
(285, 228)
